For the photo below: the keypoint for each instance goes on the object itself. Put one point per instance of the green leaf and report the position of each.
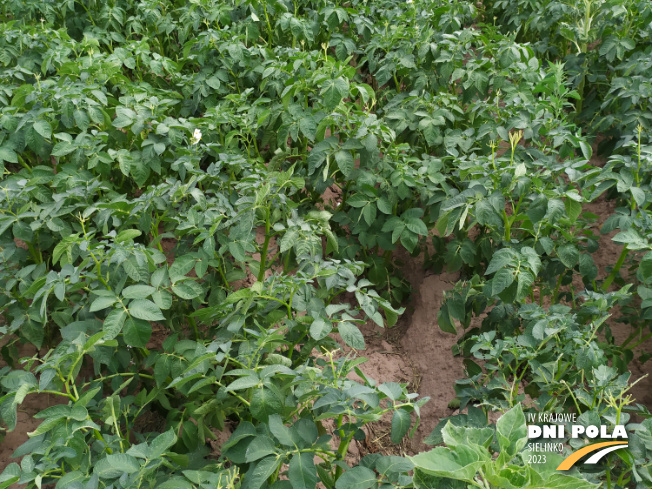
(645, 266)
(102, 303)
(159, 277)
(444, 320)
(139, 170)
(511, 432)
(586, 150)
(344, 162)
(631, 238)
(145, 309)
(416, 226)
(175, 482)
(356, 478)
(319, 329)
(461, 464)
(556, 210)
(500, 259)
(137, 332)
(45, 426)
(187, 289)
(503, 279)
(525, 280)
(263, 470)
(639, 196)
(333, 91)
(161, 443)
(124, 163)
(460, 435)
(563, 481)
(244, 382)
(181, 267)
(351, 335)
(280, 431)
(78, 413)
(409, 240)
(385, 206)
(163, 299)
(127, 235)
(573, 209)
(113, 323)
(547, 244)
(63, 148)
(139, 291)
(114, 465)
(10, 475)
(302, 472)
(569, 255)
(260, 447)
(8, 154)
(422, 480)
(400, 425)
(43, 128)
(265, 402)
(393, 465)
(391, 390)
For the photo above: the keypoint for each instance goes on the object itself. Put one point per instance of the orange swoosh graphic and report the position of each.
(574, 457)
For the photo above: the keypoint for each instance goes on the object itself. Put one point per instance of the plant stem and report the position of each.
(615, 270)
(508, 227)
(263, 253)
(556, 292)
(193, 323)
(23, 164)
(56, 393)
(639, 342)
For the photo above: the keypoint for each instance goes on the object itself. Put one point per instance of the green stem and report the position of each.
(121, 374)
(485, 484)
(116, 427)
(639, 342)
(577, 406)
(341, 453)
(263, 253)
(226, 282)
(193, 323)
(253, 138)
(23, 164)
(98, 436)
(580, 91)
(616, 269)
(36, 255)
(56, 393)
(554, 295)
(269, 25)
(508, 227)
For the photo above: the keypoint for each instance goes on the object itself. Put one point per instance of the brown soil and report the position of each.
(418, 353)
